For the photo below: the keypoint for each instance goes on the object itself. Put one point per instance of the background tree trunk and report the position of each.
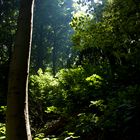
(17, 117)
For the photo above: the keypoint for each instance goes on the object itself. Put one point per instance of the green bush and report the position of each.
(69, 95)
(78, 105)
(2, 131)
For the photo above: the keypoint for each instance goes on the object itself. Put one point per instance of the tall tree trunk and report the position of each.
(54, 54)
(40, 49)
(17, 117)
(54, 57)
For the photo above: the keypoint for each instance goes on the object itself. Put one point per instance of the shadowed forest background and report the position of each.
(84, 78)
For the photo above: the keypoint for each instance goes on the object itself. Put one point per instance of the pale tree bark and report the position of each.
(17, 117)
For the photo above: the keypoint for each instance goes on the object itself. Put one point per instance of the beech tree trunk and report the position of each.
(17, 117)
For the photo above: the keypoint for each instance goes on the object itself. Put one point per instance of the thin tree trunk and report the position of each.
(17, 117)
(54, 55)
(54, 59)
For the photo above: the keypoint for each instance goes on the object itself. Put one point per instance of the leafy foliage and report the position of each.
(82, 105)
(2, 123)
(51, 38)
(2, 131)
(69, 94)
(97, 97)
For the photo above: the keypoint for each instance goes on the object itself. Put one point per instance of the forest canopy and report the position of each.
(84, 80)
